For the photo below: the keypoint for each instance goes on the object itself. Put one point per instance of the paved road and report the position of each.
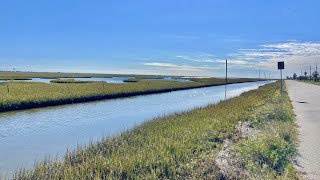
(306, 103)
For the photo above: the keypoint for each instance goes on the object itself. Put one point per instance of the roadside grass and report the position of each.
(182, 145)
(26, 95)
(312, 82)
(269, 155)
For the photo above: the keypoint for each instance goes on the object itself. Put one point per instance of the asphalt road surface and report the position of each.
(306, 103)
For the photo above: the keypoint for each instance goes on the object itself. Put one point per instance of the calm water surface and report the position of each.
(29, 135)
(108, 80)
(172, 79)
(116, 80)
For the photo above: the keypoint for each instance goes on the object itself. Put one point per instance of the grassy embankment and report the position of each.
(25, 95)
(184, 145)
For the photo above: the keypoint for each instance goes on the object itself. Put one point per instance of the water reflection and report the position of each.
(225, 91)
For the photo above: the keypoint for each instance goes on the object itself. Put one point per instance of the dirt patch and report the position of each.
(245, 130)
(226, 160)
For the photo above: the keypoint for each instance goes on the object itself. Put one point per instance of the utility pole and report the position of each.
(225, 90)
(226, 72)
(310, 74)
(316, 76)
(259, 73)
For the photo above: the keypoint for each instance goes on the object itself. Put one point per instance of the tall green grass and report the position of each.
(269, 155)
(178, 146)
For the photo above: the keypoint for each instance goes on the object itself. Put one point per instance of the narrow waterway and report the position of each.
(31, 135)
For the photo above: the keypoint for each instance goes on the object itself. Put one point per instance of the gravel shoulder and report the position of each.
(306, 103)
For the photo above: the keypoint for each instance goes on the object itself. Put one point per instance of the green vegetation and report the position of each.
(14, 79)
(184, 145)
(312, 82)
(270, 153)
(25, 95)
(131, 80)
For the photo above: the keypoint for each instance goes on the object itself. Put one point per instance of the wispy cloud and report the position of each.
(160, 64)
(169, 67)
(213, 60)
(295, 54)
(243, 62)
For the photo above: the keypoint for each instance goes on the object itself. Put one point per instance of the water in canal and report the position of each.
(29, 135)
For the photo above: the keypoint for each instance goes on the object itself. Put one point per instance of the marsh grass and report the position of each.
(177, 146)
(131, 80)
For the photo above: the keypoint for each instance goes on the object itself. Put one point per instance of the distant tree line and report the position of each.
(306, 77)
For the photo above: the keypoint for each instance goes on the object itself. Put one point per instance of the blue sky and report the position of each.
(175, 37)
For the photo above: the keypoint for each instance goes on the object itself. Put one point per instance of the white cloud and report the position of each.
(244, 62)
(175, 67)
(296, 55)
(203, 59)
(160, 64)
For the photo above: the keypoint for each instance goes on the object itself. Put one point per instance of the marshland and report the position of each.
(159, 89)
(158, 136)
(187, 144)
(65, 126)
(17, 95)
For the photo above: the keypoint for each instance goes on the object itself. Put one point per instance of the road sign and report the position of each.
(281, 65)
